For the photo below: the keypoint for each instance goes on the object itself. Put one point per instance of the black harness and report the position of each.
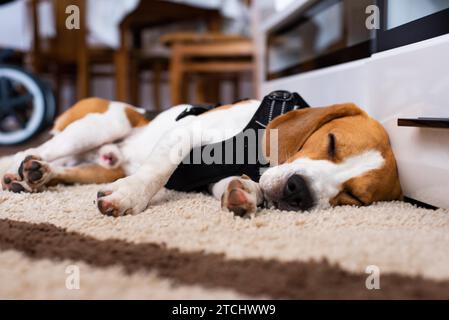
(241, 154)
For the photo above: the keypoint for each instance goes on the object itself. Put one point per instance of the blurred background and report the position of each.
(387, 56)
(133, 50)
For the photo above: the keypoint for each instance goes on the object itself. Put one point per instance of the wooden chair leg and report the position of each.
(157, 70)
(83, 75)
(186, 87)
(207, 89)
(215, 23)
(236, 87)
(134, 83)
(121, 75)
(200, 89)
(213, 90)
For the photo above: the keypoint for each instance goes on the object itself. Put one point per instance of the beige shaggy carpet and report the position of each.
(56, 245)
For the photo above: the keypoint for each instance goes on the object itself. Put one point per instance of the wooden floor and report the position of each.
(37, 140)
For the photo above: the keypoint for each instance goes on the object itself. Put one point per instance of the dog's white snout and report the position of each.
(324, 178)
(272, 182)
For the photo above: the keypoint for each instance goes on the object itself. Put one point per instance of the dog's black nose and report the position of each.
(297, 194)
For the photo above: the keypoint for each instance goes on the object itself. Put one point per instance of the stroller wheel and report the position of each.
(25, 105)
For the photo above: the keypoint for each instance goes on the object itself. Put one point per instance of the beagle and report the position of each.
(319, 157)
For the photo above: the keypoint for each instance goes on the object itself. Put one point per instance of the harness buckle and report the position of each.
(280, 95)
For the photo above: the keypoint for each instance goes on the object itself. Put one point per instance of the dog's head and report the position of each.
(330, 156)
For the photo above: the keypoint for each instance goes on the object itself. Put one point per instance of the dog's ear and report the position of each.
(295, 127)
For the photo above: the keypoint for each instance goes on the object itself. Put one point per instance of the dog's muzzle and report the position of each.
(295, 195)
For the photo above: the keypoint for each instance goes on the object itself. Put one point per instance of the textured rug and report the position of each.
(55, 245)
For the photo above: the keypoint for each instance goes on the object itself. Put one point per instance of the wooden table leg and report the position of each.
(176, 75)
(83, 75)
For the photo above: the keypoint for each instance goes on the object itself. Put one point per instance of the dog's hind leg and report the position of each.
(38, 174)
(90, 131)
(239, 195)
(87, 174)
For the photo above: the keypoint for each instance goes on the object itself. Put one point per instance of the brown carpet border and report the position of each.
(253, 277)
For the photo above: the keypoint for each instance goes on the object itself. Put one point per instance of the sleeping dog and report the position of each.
(318, 157)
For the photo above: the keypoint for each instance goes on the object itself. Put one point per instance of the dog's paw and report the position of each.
(35, 173)
(108, 207)
(12, 182)
(110, 156)
(241, 197)
(123, 197)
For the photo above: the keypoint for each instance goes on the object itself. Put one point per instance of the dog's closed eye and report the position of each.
(331, 146)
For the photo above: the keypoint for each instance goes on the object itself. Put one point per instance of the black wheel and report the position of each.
(26, 105)
(50, 105)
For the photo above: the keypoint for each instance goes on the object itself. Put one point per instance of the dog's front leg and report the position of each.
(240, 195)
(132, 194)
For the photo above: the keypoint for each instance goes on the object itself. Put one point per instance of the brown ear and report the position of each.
(295, 127)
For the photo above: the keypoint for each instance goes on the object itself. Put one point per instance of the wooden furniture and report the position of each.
(209, 58)
(67, 53)
(132, 58)
(436, 123)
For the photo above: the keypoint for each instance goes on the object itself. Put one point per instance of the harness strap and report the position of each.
(191, 176)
